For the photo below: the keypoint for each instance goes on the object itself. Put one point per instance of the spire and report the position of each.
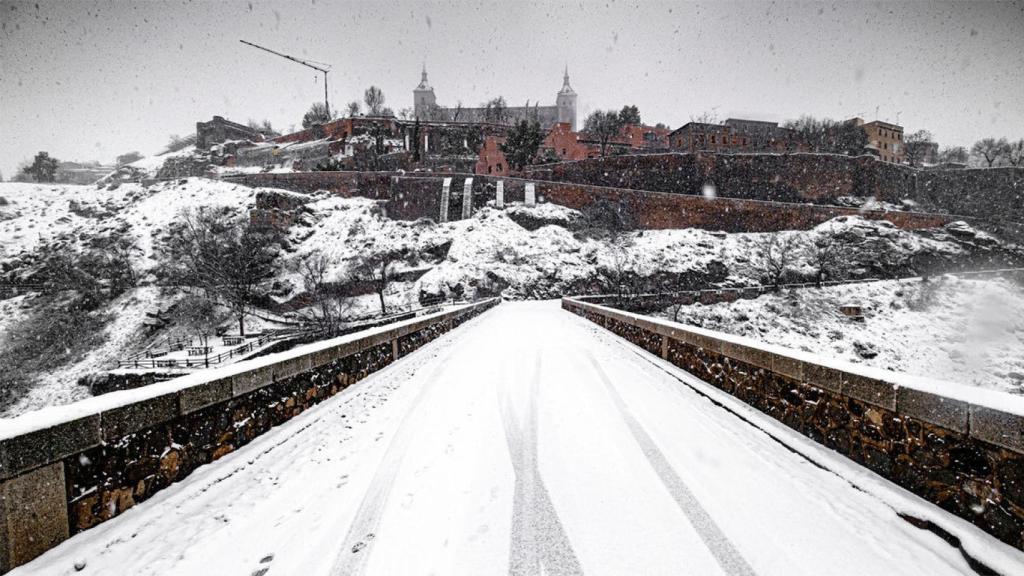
(566, 89)
(424, 85)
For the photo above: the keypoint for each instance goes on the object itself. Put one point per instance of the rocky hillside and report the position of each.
(519, 253)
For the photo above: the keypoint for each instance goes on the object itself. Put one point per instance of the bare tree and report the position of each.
(990, 150)
(775, 253)
(352, 110)
(374, 100)
(828, 256)
(265, 128)
(603, 125)
(198, 315)
(825, 135)
(377, 270)
(916, 145)
(706, 117)
(211, 250)
(326, 311)
(1015, 153)
(616, 272)
(956, 154)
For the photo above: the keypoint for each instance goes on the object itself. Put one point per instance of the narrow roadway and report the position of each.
(526, 442)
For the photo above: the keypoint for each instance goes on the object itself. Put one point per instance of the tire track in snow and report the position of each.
(355, 549)
(539, 543)
(728, 557)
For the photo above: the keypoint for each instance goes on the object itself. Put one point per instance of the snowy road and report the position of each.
(526, 442)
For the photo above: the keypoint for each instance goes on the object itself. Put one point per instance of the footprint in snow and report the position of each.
(264, 566)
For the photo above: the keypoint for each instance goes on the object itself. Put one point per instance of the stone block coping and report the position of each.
(986, 415)
(46, 436)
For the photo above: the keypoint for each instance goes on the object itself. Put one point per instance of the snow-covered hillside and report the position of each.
(519, 252)
(967, 331)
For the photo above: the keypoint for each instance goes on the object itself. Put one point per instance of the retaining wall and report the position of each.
(988, 193)
(414, 196)
(659, 210)
(70, 468)
(962, 449)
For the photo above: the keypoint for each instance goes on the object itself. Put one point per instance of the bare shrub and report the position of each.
(221, 255)
(828, 256)
(775, 253)
(327, 311)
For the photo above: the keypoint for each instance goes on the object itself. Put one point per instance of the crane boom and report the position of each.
(327, 106)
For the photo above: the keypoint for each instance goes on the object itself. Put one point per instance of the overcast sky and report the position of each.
(89, 80)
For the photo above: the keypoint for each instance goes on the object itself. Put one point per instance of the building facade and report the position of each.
(735, 135)
(697, 136)
(884, 140)
(425, 107)
(219, 130)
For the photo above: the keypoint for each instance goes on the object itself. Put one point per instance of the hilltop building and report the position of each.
(734, 135)
(885, 140)
(425, 107)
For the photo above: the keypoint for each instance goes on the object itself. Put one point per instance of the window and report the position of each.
(499, 167)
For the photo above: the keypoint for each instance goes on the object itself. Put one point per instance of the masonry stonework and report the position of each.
(938, 448)
(409, 197)
(986, 193)
(71, 476)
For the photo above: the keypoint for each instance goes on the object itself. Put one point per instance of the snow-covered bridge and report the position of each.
(528, 441)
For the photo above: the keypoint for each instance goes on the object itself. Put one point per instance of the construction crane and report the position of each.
(318, 66)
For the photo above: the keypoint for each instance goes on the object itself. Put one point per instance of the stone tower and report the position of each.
(423, 96)
(566, 101)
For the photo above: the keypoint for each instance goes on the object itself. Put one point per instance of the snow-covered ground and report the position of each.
(962, 330)
(40, 213)
(520, 253)
(530, 442)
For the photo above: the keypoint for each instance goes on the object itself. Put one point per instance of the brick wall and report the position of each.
(967, 458)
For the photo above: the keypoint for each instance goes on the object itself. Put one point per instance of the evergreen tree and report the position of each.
(522, 143)
(43, 168)
(317, 114)
(630, 115)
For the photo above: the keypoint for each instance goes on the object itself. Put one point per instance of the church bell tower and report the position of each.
(423, 96)
(566, 102)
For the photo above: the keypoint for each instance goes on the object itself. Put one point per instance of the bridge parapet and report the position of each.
(68, 468)
(959, 447)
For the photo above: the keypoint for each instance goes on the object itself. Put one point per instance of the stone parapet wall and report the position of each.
(961, 449)
(85, 463)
